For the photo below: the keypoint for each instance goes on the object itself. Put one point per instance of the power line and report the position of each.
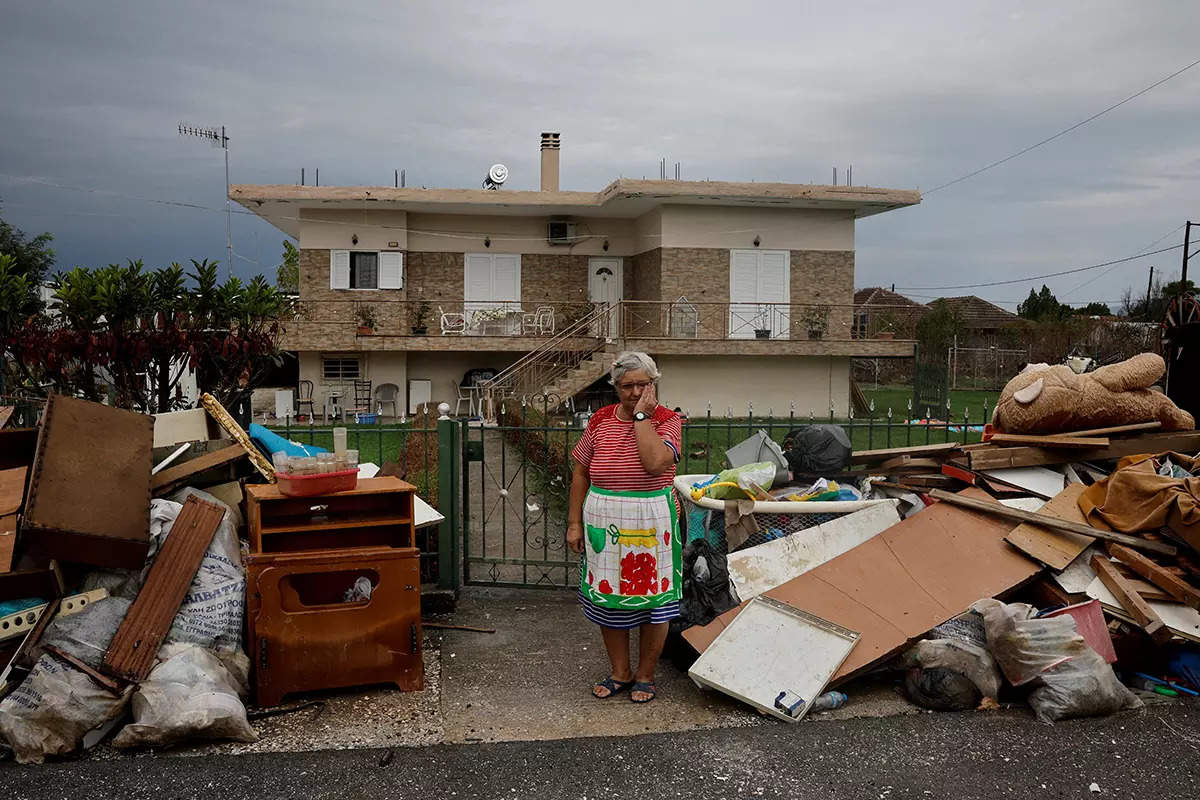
(1040, 277)
(1093, 279)
(1064, 132)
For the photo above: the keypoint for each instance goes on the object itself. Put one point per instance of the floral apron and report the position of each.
(632, 553)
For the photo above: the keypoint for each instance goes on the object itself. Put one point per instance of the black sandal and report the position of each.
(613, 686)
(645, 687)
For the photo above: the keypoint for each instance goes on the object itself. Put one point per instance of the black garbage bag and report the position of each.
(707, 593)
(817, 449)
(941, 689)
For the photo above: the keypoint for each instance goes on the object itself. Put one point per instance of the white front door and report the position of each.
(759, 290)
(604, 286)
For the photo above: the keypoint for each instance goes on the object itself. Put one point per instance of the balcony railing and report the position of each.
(635, 319)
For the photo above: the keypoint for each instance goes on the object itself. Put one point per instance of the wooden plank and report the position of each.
(110, 685)
(1014, 439)
(1130, 600)
(1183, 621)
(910, 463)
(1179, 589)
(134, 647)
(999, 457)
(1137, 426)
(5, 413)
(173, 478)
(218, 412)
(1056, 549)
(1047, 521)
(875, 456)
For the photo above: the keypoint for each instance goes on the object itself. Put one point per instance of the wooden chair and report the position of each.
(362, 397)
(304, 397)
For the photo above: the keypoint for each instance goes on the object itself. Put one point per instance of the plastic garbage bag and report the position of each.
(1070, 679)
(734, 483)
(52, 709)
(707, 592)
(191, 694)
(953, 670)
(87, 634)
(941, 689)
(817, 449)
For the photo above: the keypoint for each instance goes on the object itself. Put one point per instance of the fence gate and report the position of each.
(930, 387)
(515, 484)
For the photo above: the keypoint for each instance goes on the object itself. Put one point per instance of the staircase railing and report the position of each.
(554, 358)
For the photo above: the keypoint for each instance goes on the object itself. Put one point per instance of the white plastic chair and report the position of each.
(545, 320)
(452, 322)
(463, 393)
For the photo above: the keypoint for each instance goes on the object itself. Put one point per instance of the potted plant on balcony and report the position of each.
(762, 323)
(366, 319)
(419, 327)
(816, 321)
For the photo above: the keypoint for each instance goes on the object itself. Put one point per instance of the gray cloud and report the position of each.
(913, 95)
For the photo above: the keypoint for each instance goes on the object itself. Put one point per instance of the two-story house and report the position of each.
(743, 292)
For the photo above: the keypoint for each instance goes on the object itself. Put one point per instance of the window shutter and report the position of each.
(773, 277)
(391, 270)
(339, 269)
(478, 281)
(743, 293)
(506, 273)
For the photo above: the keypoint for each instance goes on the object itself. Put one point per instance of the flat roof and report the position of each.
(623, 198)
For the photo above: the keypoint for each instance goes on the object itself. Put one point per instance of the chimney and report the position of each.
(549, 161)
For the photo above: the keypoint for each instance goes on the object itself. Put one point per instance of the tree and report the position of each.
(31, 257)
(937, 329)
(1153, 306)
(1043, 306)
(287, 274)
(1094, 309)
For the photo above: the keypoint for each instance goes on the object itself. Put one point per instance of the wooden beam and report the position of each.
(1047, 521)
(1015, 439)
(1137, 426)
(1178, 588)
(1001, 457)
(1130, 600)
(133, 649)
(876, 456)
(1054, 548)
(172, 478)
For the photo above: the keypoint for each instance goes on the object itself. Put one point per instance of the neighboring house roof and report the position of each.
(878, 296)
(978, 313)
(622, 198)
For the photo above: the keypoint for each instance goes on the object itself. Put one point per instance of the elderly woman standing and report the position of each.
(624, 519)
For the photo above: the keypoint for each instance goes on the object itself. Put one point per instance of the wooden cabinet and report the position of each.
(306, 554)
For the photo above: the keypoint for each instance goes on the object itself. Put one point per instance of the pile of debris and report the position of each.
(123, 580)
(1022, 568)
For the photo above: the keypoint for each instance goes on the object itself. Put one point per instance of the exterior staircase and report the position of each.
(578, 378)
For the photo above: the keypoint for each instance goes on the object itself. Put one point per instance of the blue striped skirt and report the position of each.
(627, 618)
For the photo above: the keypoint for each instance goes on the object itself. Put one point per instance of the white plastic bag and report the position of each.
(191, 694)
(56, 704)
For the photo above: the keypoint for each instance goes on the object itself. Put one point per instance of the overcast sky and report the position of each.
(912, 94)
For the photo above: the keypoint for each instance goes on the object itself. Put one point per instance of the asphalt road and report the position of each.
(1153, 753)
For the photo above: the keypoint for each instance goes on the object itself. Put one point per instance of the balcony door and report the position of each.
(492, 281)
(604, 286)
(759, 291)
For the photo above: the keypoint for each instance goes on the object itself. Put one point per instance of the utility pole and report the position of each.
(1187, 238)
(218, 139)
(1150, 282)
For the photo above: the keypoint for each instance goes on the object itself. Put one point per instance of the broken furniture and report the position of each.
(88, 498)
(305, 553)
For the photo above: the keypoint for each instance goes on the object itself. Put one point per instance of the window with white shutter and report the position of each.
(366, 269)
(339, 269)
(391, 270)
(491, 279)
(759, 282)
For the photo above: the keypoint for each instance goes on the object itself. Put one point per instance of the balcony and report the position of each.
(679, 327)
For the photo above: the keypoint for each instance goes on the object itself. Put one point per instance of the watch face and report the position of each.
(641, 415)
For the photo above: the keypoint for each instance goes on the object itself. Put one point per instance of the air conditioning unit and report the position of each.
(560, 232)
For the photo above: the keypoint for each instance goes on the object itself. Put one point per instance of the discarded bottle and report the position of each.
(828, 701)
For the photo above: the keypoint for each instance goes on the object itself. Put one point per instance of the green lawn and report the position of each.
(898, 397)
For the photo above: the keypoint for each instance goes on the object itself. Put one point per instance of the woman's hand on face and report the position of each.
(575, 536)
(648, 401)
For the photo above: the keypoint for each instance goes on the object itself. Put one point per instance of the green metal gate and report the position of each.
(515, 485)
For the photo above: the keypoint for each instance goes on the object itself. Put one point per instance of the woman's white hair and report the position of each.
(632, 361)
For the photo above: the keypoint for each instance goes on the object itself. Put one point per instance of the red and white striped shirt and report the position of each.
(608, 450)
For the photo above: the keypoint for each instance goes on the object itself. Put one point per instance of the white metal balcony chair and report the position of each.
(453, 323)
(540, 322)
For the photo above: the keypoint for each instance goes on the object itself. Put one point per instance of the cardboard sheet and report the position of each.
(176, 427)
(896, 586)
(1055, 549)
(1036, 479)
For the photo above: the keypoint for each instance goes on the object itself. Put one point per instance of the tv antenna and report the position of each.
(218, 139)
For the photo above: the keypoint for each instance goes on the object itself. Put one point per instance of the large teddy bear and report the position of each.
(1046, 399)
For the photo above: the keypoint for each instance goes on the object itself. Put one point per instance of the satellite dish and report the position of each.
(496, 177)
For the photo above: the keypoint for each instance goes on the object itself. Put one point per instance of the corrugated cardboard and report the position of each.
(896, 586)
(89, 493)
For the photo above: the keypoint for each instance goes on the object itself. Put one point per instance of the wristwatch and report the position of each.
(639, 416)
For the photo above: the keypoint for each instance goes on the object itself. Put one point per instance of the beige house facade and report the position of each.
(743, 292)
